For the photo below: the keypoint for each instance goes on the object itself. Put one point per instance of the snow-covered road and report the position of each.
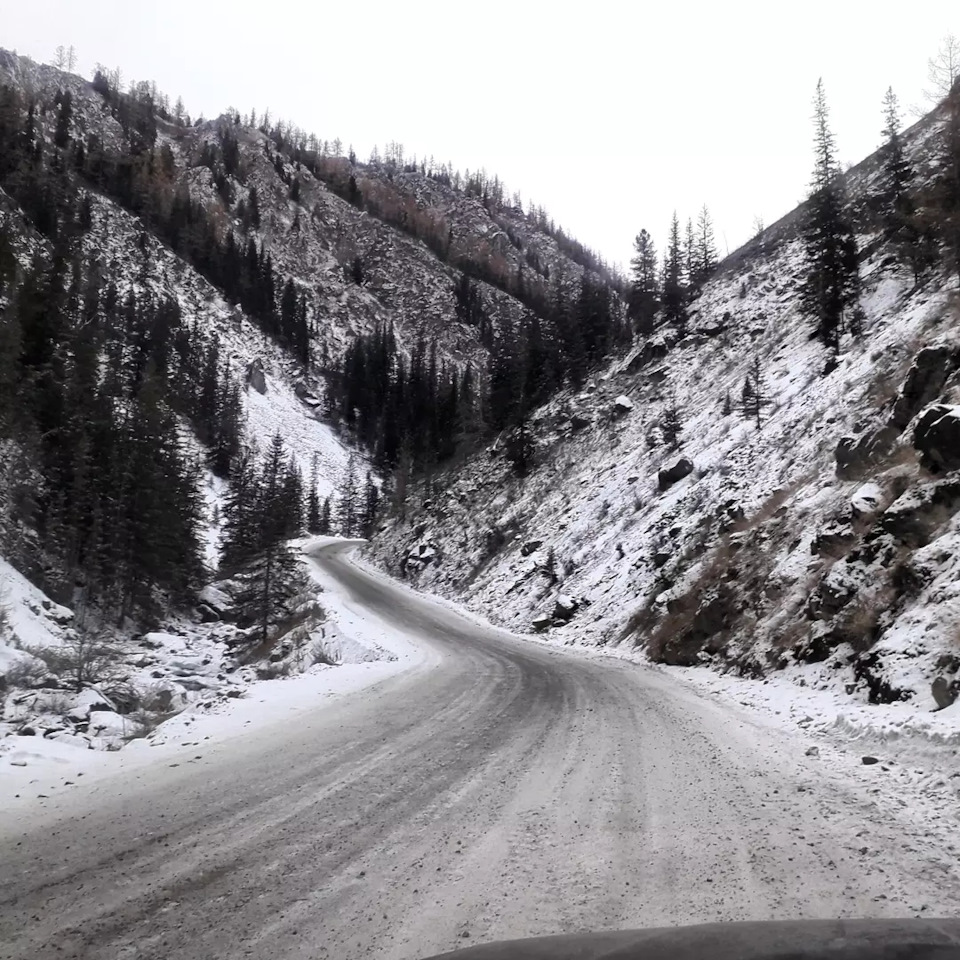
(494, 788)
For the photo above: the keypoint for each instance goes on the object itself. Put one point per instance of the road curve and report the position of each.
(499, 789)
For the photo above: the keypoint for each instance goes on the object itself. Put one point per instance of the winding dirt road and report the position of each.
(498, 789)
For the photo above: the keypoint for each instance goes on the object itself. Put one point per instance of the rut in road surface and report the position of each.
(497, 789)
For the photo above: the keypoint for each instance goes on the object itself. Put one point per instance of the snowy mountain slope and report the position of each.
(42, 642)
(134, 259)
(139, 261)
(765, 555)
(357, 268)
(315, 238)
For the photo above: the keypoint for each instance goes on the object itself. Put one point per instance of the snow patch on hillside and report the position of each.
(37, 767)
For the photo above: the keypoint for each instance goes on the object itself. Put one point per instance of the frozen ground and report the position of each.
(488, 788)
(35, 770)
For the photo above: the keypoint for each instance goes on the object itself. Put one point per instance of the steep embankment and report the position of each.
(821, 542)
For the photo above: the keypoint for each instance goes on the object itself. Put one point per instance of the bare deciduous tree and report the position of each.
(943, 70)
(84, 658)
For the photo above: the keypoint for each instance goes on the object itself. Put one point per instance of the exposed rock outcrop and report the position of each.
(937, 437)
(854, 454)
(256, 377)
(924, 383)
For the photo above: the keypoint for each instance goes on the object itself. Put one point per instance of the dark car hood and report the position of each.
(775, 940)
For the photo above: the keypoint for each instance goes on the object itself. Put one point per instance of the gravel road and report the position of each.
(499, 788)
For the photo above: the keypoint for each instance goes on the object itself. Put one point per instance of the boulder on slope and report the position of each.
(256, 377)
(669, 476)
(937, 437)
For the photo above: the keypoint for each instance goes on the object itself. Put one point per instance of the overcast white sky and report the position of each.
(610, 114)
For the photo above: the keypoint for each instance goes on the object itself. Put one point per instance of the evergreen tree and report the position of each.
(644, 293)
(674, 307)
(241, 513)
(689, 272)
(506, 380)
(349, 500)
(313, 500)
(897, 172)
(672, 426)
(253, 207)
(354, 196)
(271, 573)
(357, 274)
(901, 219)
(706, 250)
(371, 503)
(595, 318)
(831, 281)
(61, 135)
(520, 447)
(754, 396)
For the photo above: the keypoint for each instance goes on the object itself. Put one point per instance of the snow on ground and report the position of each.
(31, 618)
(214, 492)
(279, 410)
(35, 767)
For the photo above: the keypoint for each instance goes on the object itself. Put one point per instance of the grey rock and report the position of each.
(832, 594)
(668, 477)
(580, 422)
(651, 350)
(531, 546)
(716, 330)
(937, 437)
(207, 614)
(729, 514)
(418, 556)
(866, 501)
(944, 692)
(542, 622)
(256, 377)
(925, 381)
(565, 607)
(914, 516)
(856, 453)
(834, 540)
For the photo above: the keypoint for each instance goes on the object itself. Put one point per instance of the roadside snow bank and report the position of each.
(35, 768)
